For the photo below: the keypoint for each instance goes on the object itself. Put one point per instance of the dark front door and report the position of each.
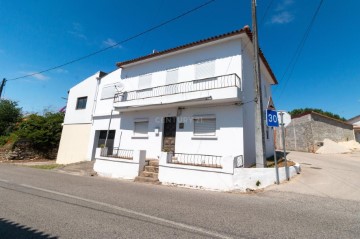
(169, 134)
(110, 140)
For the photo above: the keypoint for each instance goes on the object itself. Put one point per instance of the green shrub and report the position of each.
(44, 132)
(4, 139)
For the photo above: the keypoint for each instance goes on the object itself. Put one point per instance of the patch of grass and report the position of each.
(47, 166)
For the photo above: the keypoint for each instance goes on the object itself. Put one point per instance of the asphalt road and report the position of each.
(37, 203)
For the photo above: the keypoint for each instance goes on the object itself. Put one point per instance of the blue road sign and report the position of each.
(272, 118)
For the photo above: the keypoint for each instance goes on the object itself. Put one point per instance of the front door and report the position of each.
(169, 134)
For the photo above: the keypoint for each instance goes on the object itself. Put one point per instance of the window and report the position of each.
(205, 69)
(141, 128)
(81, 103)
(205, 125)
(144, 81)
(171, 80)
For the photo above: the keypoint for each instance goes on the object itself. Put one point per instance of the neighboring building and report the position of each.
(75, 137)
(307, 131)
(195, 100)
(356, 123)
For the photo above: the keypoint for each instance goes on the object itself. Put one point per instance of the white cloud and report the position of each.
(111, 42)
(40, 76)
(60, 70)
(282, 18)
(78, 31)
(35, 75)
(282, 14)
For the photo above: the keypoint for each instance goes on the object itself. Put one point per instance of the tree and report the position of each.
(10, 114)
(295, 112)
(44, 132)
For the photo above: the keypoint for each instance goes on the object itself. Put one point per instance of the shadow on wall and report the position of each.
(9, 229)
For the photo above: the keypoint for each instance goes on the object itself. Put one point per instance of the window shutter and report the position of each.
(172, 76)
(205, 69)
(141, 128)
(205, 126)
(171, 80)
(144, 81)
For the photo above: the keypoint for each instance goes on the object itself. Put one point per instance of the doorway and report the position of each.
(169, 134)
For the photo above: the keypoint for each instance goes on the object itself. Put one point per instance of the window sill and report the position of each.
(139, 137)
(204, 137)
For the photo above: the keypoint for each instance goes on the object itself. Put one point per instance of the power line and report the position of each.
(297, 53)
(266, 11)
(118, 43)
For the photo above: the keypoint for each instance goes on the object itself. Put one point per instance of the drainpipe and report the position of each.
(107, 133)
(98, 78)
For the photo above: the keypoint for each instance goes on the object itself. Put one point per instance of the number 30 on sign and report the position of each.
(272, 118)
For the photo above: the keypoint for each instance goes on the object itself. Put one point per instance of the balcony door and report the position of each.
(169, 134)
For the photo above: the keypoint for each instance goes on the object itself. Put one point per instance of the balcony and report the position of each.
(219, 88)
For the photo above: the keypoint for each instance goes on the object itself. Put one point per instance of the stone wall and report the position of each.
(23, 150)
(306, 133)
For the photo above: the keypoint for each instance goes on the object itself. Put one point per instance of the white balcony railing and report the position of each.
(232, 80)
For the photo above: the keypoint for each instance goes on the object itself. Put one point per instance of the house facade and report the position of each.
(75, 137)
(195, 102)
(355, 121)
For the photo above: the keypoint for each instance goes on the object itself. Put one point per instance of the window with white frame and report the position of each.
(205, 125)
(141, 127)
(144, 81)
(205, 69)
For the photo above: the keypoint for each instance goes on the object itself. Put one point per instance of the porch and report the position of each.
(223, 173)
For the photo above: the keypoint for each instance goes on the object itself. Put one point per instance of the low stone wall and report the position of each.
(120, 168)
(227, 178)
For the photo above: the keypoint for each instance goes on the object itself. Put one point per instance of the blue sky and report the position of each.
(36, 35)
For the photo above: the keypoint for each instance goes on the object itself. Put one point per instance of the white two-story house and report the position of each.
(192, 100)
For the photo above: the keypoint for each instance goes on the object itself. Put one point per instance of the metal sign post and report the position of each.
(272, 121)
(276, 167)
(283, 141)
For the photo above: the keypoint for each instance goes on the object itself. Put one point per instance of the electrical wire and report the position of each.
(118, 43)
(297, 53)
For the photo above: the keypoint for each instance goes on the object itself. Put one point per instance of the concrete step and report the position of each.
(151, 169)
(146, 180)
(154, 163)
(149, 175)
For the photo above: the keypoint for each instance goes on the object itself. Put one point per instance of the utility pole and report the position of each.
(259, 109)
(2, 86)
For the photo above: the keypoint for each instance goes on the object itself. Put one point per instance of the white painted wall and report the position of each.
(120, 168)
(104, 106)
(229, 131)
(249, 107)
(86, 88)
(226, 55)
(228, 140)
(226, 178)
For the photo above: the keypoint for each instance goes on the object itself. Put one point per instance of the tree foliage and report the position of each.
(44, 132)
(295, 112)
(10, 114)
